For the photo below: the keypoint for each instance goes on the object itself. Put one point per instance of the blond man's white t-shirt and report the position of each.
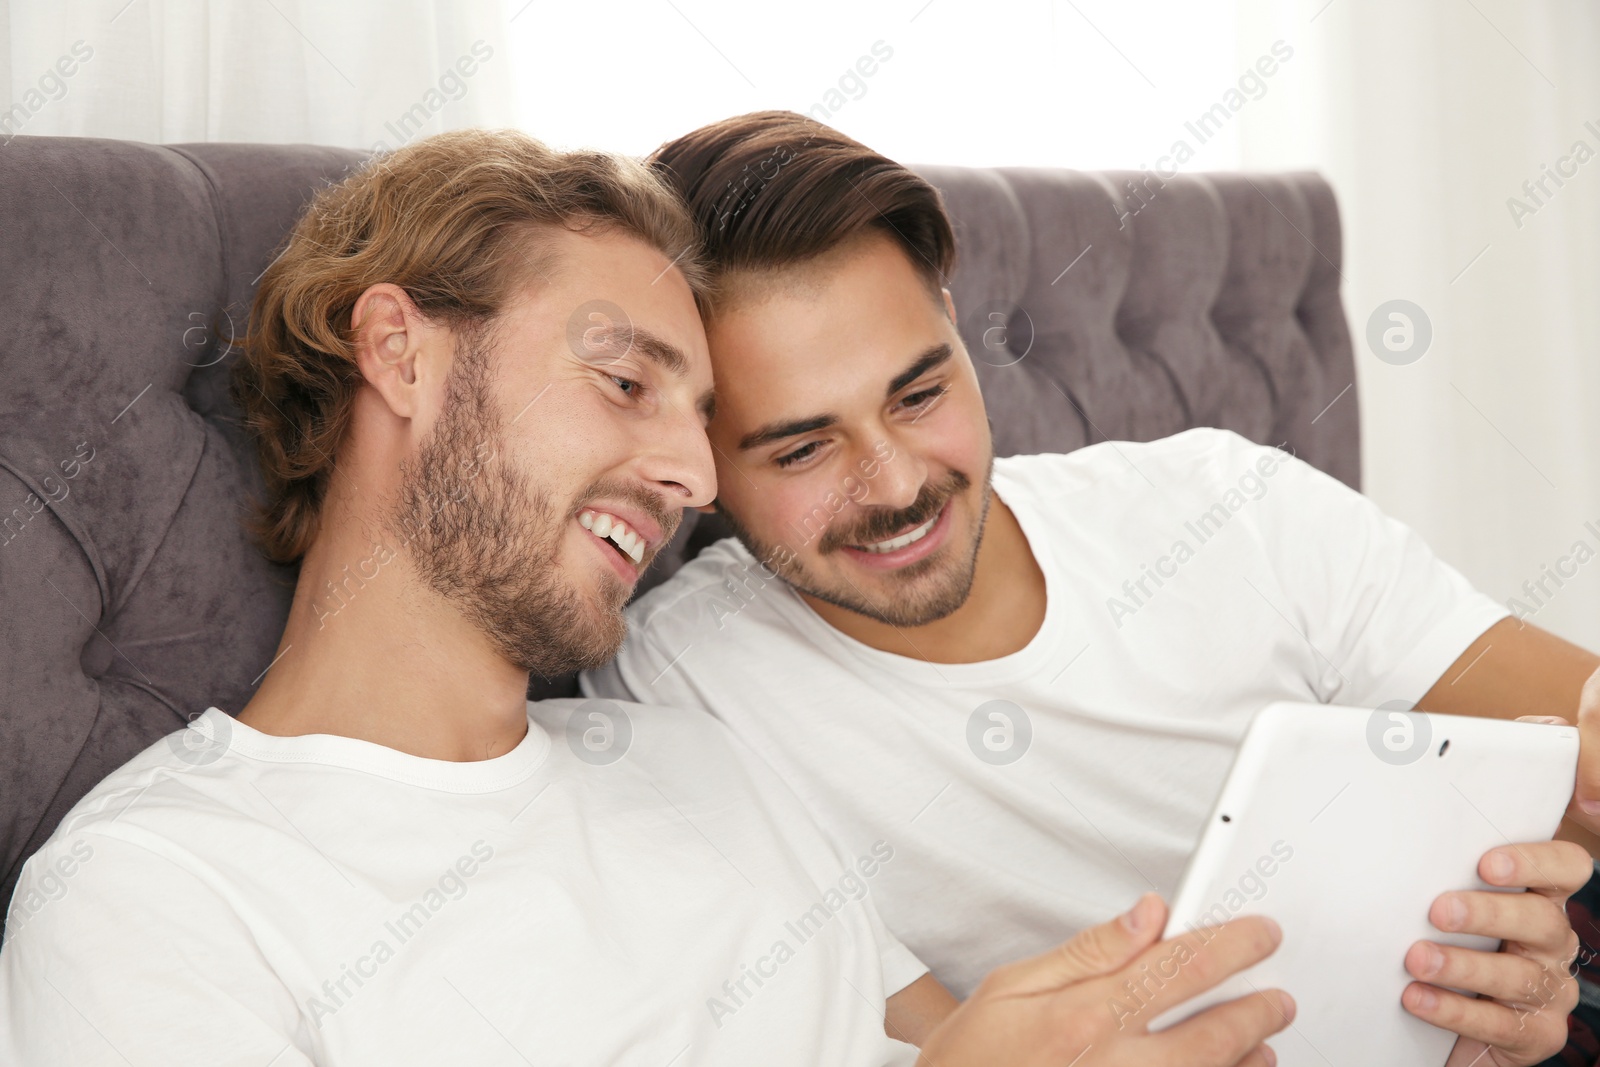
(1190, 581)
(628, 885)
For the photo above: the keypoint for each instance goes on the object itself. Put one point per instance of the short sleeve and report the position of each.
(115, 955)
(900, 965)
(1385, 614)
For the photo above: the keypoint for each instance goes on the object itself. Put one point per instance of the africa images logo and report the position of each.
(1398, 735)
(599, 732)
(999, 732)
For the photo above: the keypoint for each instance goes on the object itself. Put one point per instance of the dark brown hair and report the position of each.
(772, 189)
(448, 219)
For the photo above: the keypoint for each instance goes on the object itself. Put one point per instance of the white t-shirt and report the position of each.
(256, 900)
(1250, 577)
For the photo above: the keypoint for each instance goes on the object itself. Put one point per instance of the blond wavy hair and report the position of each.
(454, 221)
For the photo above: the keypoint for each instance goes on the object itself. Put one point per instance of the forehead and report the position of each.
(845, 321)
(616, 272)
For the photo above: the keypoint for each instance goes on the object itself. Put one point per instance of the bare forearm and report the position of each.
(914, 1012)
(1513, 668)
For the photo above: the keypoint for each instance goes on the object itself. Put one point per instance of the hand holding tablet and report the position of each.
(1366, 832)
(1526, 989)
(1050, 1010)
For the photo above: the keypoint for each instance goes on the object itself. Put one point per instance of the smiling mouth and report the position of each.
(908, 538)
(614, 532)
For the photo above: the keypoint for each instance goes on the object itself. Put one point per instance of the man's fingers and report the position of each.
(1173, 971)
(1555, 868)
(1501, 975)
(1227, 1034)
(1516, 1031)
(1099, 950)
(1528, 918)
(1108, 947)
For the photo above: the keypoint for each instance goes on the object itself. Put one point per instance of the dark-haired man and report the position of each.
(390, 856)
(902, 617)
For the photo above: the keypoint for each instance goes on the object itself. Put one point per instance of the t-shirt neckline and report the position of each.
(232, 737)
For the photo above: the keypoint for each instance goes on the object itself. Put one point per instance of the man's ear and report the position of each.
(949, 305)
(390, 347)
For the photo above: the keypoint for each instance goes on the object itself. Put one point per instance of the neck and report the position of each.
(1000, 616)
(370, 652)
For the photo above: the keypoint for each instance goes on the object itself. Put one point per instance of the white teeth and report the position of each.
(903, 540)
(614, 530)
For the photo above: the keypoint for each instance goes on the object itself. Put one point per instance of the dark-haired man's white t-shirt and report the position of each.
(1190, 581)
(234, 898)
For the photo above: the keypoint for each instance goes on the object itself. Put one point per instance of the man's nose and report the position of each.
(900, 479)
(676, 455)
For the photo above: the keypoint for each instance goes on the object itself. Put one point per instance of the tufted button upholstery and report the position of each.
(129, 597)
(1207, 300)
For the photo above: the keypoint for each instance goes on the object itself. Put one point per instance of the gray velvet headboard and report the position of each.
(129, 597)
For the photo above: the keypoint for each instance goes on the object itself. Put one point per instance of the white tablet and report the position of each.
(1343, 825)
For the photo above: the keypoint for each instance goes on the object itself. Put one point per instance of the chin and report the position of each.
(551, 631)
(901, 599)
(928, 605)
(585, 650)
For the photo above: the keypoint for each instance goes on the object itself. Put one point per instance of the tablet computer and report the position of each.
(1343, 825)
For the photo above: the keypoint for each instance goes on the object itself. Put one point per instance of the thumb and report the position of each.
(1097, 951)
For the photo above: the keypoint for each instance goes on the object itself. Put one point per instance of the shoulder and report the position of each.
(1199, 447)
(142, 791)
(173, 805)
(721, 586)
(725, 560)
(1195, 460)
(129, 840)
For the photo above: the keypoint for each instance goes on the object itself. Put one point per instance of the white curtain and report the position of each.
(355, 74)
(1463, 140)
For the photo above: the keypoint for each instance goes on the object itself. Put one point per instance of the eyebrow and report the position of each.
(669, 357)
(776, 431)
(933, 357)
(618, 340)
